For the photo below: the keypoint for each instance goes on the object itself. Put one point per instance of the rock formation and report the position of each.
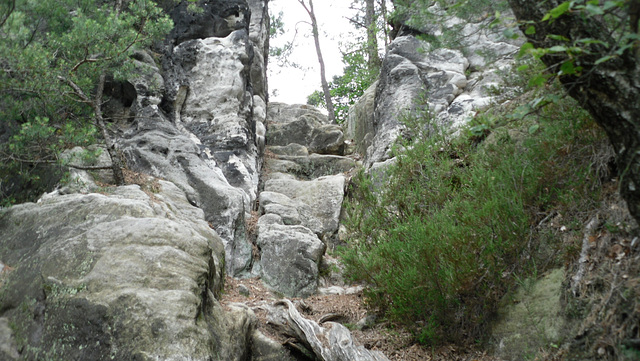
(120, 273)
(302, 197)
(236, 186)
(448, 85)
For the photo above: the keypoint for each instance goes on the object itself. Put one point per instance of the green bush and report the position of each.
(443, 240)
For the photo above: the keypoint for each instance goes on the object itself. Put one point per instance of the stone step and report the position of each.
(312, 166)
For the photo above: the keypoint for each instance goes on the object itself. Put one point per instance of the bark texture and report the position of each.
(610, 91)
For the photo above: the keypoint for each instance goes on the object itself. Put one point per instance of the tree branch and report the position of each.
(76, 89)
(12, 7)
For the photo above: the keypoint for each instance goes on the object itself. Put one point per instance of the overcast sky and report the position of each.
(293, 85)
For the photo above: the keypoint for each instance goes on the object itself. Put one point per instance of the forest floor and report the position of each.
(395, 342)
(601, 310)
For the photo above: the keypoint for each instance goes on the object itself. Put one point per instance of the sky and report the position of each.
(292, 85)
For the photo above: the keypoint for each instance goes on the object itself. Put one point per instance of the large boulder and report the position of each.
(311, 166)
(206, 134)
(359, 125)
(303, 125)
(290, 256)
(444, 86)
(318, 202)
(155, 146)
(217, 108)
(124, 275)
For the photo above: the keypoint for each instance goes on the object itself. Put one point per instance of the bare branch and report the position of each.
(76, 89)
(12, 7)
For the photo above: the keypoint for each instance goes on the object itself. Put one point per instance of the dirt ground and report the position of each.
(397, 344)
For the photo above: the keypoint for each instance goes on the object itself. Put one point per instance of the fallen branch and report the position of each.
(334, 343)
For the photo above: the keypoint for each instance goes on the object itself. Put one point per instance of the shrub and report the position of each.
(443, 240)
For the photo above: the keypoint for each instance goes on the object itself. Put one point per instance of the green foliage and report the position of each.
(571, 52)
(346, 89)
(44, 47)
(441, 242)
(359, 70)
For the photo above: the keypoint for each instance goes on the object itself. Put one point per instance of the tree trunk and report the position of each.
(610, 91)
(372, 37)
(117, 164)
(385, 22)
(323, 76)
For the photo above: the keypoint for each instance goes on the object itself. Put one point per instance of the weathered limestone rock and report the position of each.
(218, 18)
(155, 146)
(218, 105)
(8, 346)
(259, 36)
(531, 321)
(266, 349)
(126, 275)
(359, 126)
(292, 149)
(407, 76)
(209, 141)
(303, 125)
(302, 197)
(318, 202)
(312, 166)
(289, 258)
(447, 85)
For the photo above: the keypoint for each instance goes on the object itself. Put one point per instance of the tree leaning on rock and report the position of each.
(594, 50)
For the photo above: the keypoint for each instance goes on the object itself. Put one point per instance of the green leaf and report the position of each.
(604, 59)
(530, 30)
(534, 128)
(557, 37)
(589, 41)
(608, 5)
(594, 10)
(560, 9)
(537, 80)
(558, 49)
(523, 67)
(567, 68)
(525, 49)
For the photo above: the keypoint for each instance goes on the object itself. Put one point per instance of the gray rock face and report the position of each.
(218, 19)
(120, 276)
(158, 148)
(302, 197)
(360, 125)
(303, 125)
(318, 202)
(311, 166)
(408, 75)
(449, 85)
(289, 258)
(207, 134)
(217, 107)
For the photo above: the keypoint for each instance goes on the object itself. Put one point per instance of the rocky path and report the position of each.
(348, 309)
(305, 173)
(303, 185)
